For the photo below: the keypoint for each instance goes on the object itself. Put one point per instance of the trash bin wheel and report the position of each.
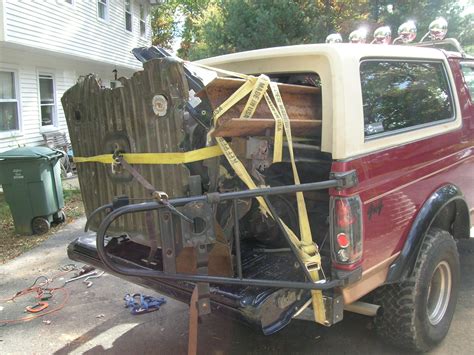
(40, 225)
(60, 217)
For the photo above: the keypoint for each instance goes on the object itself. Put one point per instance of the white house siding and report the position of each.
(76, 29)
(27, 64)
(66, 41)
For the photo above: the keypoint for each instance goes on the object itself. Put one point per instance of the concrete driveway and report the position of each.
(94, 320)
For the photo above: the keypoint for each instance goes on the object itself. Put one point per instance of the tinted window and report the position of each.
(399, 95)
(468, 71)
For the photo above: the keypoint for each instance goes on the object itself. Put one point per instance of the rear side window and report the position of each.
(400, 95)
(468, 71)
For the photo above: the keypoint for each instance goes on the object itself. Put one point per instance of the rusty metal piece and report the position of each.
(102, 120)
(193, 323)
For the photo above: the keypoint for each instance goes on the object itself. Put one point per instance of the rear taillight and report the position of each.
(346, 231)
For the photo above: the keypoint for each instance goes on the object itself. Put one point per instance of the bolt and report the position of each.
(169, 252)
(166, 217)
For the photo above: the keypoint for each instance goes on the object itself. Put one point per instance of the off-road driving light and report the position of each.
(358, 36)
(406, 32)
(437, 30)
(334, 38)
(346, 231)
(382, 35)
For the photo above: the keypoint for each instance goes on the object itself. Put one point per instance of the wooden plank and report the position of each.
(237, 127)
(301, 102)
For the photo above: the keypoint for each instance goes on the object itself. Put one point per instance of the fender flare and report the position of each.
(403, 265)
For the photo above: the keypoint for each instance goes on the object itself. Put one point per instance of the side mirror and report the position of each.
(334, 38)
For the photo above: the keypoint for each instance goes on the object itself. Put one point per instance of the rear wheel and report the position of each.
(417, 313)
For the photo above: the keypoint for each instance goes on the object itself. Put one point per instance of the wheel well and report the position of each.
(454, 218)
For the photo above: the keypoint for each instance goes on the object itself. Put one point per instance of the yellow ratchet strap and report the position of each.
(157, 158)
(307, 244)
(308, 250)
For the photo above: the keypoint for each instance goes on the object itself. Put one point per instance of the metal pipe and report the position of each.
(238, 254)
(94, 213)
(214, 198)
(109, 263)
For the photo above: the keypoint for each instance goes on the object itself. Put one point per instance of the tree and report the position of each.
(164, 25)
(214, 27)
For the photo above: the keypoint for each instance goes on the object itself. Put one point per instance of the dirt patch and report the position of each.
(12, 245)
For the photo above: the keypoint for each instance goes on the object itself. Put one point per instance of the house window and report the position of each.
(401, 95)
(47, 100)
(128, 15)
(142, 20)
(103, 9)
(9, 108)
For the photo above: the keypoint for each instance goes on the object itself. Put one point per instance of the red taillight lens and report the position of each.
(343, 213)
(343, 240)
(346, 231)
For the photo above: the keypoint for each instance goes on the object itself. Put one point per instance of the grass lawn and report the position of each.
(12, 245)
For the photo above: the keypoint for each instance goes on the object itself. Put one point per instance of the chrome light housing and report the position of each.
(334, 38)
(438, 29)
(358, 36)
(406, 32)
(382, 35)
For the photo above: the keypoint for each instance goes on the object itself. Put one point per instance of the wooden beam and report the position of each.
(301, 102)
(236, 127)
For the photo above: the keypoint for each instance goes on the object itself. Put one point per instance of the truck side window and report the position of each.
(398, 95)
(468, 71)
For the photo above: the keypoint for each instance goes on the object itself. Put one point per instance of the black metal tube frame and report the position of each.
(341, 181)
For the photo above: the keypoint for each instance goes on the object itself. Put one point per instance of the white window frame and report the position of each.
(106, 4)
(16, 82)
(128, 12)
(142, 20)
(54, 125)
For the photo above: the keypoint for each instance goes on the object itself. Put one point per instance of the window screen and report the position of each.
(103, 9)
(128, 15)
(401, 94)
(47, 101)
(142, 21)
(8, 102)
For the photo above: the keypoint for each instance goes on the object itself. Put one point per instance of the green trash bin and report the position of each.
(31, 180)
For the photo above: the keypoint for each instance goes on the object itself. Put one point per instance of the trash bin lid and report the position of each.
(30, 153)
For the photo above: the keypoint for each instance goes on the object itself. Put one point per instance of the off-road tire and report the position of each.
(402, 319)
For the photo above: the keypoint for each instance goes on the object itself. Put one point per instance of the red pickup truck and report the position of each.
(383, 143)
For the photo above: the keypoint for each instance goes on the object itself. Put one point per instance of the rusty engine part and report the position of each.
(163, 109)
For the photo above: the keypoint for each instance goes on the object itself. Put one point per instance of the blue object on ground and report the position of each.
(143, 304)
